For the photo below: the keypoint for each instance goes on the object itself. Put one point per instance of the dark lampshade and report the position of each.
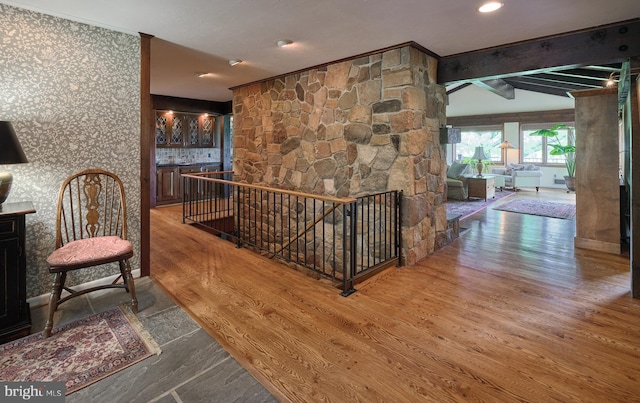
(10, 153)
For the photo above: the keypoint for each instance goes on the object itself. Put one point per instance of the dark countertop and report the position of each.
(198, 164)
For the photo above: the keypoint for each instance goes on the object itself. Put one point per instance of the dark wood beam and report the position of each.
(587, 73)
(544, 89)
(458, 88)
(557, 116)
(147, 154)
(163, 102)
(543, 82)
(635, 179)
(498, 87)
(587, 82)
(604, 44)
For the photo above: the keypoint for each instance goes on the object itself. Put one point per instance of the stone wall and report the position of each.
(352, 128)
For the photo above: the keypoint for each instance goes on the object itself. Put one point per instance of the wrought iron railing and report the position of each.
(340, 238)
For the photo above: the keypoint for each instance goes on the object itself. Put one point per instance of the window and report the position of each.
(488, 137)
(536, 149)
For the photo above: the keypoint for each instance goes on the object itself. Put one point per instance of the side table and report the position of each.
(15, 318)
(482, 187)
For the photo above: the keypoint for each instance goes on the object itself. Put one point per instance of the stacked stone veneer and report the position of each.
(348, 129)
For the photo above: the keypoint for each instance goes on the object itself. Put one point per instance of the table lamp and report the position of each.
(10, 153)
(504, 145)
(479, 155)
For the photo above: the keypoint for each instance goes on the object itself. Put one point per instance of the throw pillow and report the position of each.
(456, 170)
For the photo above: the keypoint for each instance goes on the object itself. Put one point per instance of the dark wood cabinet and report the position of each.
(184, 130)
(168, 185)
(192, 191)
(169, 129)
(210, 129)
(15, 319)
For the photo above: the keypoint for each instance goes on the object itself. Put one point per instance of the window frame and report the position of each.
(545, 149)
(482, 128)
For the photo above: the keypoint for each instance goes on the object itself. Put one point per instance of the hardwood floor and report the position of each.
(508, 312)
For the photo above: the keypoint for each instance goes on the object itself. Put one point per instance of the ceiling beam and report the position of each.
(599, 45)
(586, 74)
(551, 81)
(457, 88)
(539, 88)
(498, 87)
(561, 79)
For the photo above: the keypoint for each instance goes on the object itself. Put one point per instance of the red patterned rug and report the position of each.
(466, 208)
(539, 208)
(79, 353)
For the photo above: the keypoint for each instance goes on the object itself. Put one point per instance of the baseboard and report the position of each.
(601, 246)
(43, 299)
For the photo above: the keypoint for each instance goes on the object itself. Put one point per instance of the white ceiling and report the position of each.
(473, 100)
(194, 36)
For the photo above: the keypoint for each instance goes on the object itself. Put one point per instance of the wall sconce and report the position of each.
(450, 135)
(10, 153)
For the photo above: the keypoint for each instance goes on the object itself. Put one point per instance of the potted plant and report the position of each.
(568, 150)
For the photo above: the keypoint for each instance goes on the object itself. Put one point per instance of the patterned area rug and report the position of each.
(79, 353)
(539, 208)
(465, 208)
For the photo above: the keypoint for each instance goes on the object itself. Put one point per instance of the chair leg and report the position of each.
(56, 289)
(125, 269)
(63, 278)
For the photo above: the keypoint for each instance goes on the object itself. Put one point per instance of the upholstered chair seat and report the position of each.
(89, 252)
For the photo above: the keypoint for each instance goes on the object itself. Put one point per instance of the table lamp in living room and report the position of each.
(10, 153)
(479, 155)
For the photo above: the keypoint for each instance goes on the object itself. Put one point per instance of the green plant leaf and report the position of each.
(548, 132)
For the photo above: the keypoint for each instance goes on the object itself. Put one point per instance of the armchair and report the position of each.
(520, 175)
(456, 181)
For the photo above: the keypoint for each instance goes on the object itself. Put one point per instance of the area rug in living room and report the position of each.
(539, 208)
(466, 208)
(79, 353)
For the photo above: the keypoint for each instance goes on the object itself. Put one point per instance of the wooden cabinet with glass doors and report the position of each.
(179, 129)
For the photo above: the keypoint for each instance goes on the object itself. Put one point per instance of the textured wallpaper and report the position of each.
(72, 92)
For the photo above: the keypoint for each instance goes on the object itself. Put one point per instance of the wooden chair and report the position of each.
(91, 230)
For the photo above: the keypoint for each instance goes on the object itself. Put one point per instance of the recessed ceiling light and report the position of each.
(201, 75)
(490, 6)
(284, 42)
(233, 62)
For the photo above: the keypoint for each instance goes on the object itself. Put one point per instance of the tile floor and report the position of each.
(193, 367)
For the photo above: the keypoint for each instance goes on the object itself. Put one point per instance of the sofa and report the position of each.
(456, 181)
(519, 175)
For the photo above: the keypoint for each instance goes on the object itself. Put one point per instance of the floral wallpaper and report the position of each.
(72, 93)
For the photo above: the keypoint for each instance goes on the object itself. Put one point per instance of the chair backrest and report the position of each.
(90, 203)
